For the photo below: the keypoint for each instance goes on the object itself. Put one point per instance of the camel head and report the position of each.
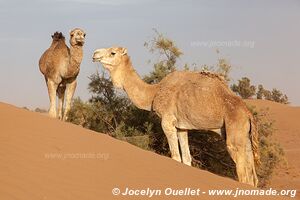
(77, 36)
(110, 58)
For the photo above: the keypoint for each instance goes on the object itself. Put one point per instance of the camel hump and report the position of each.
(57, 36)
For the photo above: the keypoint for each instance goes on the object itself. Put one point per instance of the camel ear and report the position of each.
(124, 51)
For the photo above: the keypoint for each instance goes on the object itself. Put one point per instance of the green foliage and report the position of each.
(244, 88)
(223, 68)
(260, 92)
(277, 96)
(105, 111)
(274, 95)
(168, 54)
(246, 91)
(110, 111)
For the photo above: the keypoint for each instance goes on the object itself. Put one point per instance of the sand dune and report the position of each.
(43, 158)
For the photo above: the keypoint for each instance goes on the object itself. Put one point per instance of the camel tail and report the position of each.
(58, 36)
(254, 140)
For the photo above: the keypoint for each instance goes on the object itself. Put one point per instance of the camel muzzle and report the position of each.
(98, 55)
(96, 58)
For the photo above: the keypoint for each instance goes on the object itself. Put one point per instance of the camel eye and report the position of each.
(84, 35)
(113, 53)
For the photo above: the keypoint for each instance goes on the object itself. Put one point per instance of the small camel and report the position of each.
(190, 101)
(60, 66)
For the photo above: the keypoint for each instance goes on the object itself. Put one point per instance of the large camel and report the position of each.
(190, 101)
(60, 66)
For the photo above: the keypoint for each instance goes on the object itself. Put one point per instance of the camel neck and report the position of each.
(138, 91)
(76, 55)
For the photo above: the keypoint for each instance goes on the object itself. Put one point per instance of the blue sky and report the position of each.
(264, 38)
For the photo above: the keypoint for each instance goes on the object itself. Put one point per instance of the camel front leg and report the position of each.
(69, 95)
(52, 86)
(61, 96)
(184, 146)
(171, 134)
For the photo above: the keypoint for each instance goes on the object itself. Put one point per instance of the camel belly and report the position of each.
(199, 109)
(199, 123)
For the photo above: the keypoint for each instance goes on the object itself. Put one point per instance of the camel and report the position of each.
(60, 66)
(190, 101)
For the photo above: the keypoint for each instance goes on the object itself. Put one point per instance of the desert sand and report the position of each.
(44, 158)
(287, 133)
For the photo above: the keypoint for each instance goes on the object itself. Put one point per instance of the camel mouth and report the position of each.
(103, 62)
(96, 59)
(80, 43)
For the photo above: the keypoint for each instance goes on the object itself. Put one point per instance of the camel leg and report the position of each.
(69, 95)
(61, 96)
(240, 150)
(52, 86)
(184, 146)
(171, 134)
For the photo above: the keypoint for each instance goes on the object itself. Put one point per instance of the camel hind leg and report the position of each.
(184, 146)
(239, 147)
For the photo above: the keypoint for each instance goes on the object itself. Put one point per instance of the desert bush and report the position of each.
(274, 95)
(244, 88)
(110, 111)
(168, 54)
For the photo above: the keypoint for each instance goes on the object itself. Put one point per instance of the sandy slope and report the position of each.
(287, 125)
(30, 166)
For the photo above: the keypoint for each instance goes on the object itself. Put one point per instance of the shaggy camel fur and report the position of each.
(60, 66)
(190, 101)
